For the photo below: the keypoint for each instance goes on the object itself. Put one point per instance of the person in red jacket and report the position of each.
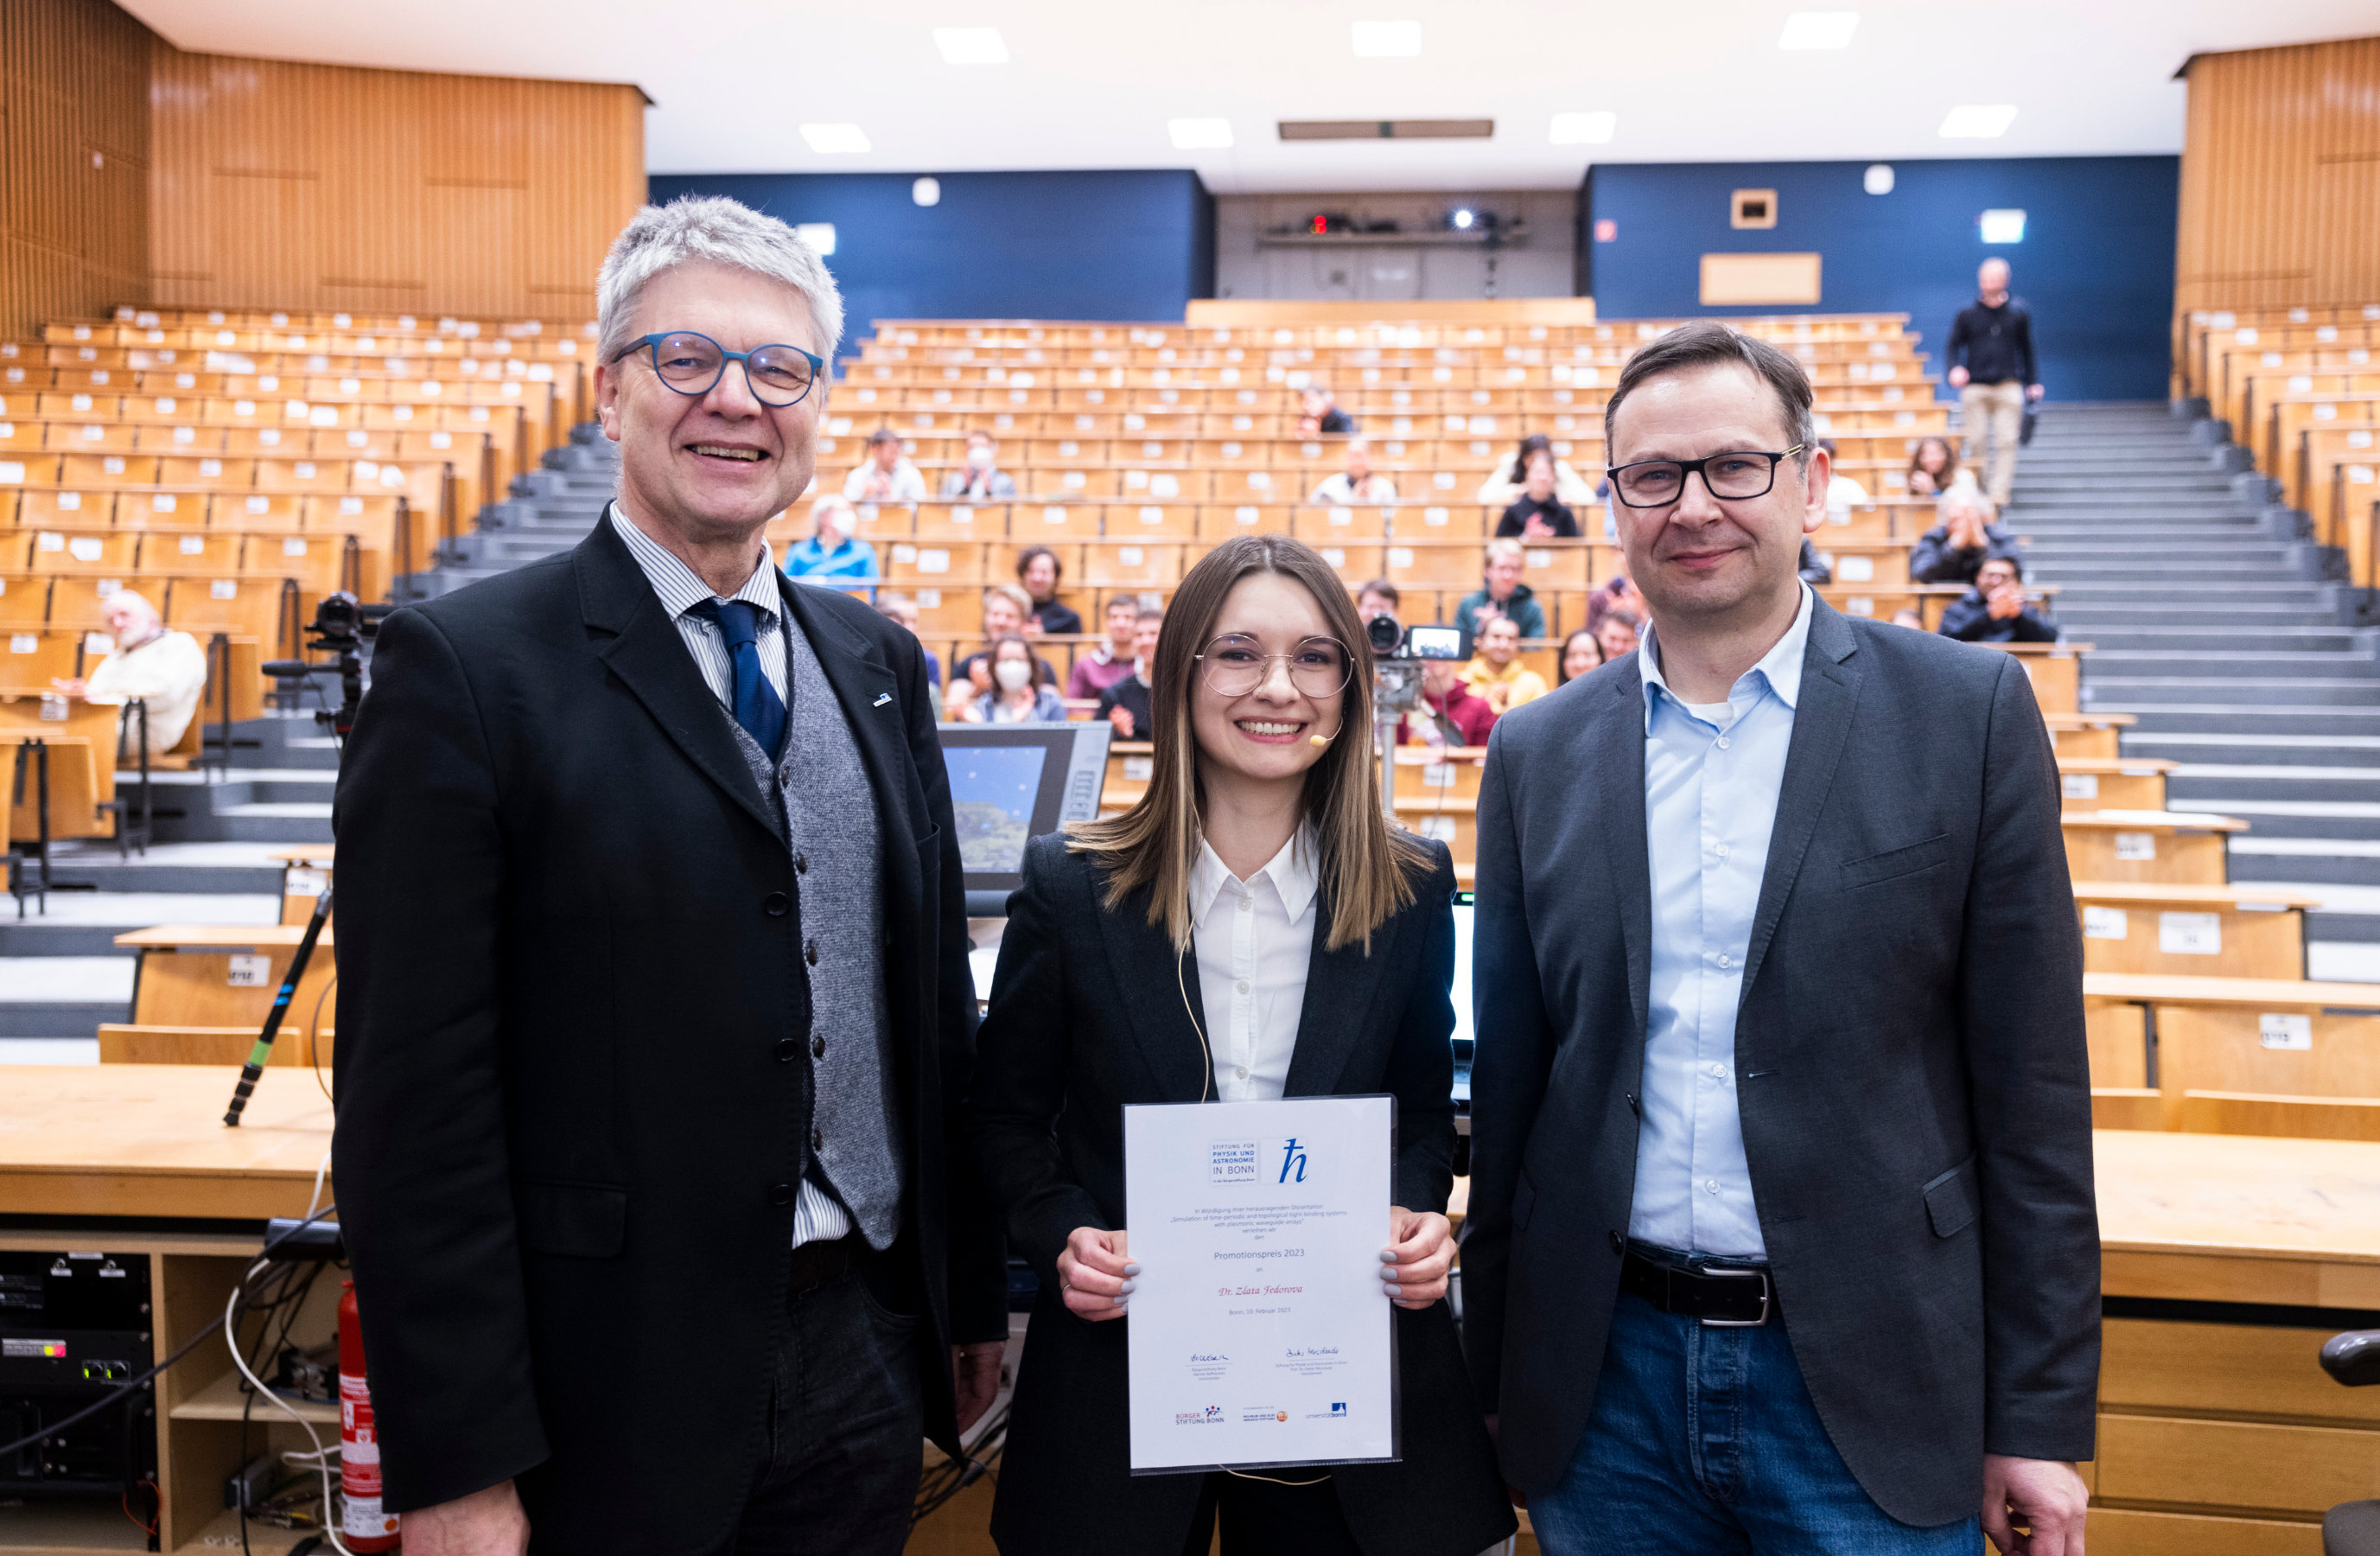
(1449, 711)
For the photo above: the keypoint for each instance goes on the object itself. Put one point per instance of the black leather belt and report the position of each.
(1721, 1295)
(823, 1263)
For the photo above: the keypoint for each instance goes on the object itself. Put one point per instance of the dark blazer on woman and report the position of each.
(1086, 1015)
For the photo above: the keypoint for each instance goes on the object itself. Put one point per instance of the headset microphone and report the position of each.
(1325, 740)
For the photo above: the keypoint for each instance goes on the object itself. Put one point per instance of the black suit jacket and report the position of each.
(574, 1082)
(1911, 1071)
(1088, 1014)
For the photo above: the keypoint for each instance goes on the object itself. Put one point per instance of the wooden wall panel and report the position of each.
(74, 160)
(279, 185)
(2280, 179)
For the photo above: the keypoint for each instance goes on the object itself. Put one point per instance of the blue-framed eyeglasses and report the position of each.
(691, 364)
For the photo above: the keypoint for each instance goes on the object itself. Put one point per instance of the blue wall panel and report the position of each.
(2095, 265)
(1130, 246)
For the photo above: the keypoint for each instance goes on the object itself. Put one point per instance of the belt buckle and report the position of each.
(1766, 1298)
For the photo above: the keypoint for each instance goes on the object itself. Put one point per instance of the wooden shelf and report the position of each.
(223, 1400)
(223, 1532)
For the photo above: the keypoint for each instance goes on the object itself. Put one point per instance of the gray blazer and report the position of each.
(1911, 1066)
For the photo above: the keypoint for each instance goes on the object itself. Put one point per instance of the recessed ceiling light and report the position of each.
(1878, 180)
(927, 190)
(971, 45)
(1583, 129)
(1199, 135)
(834, 138)
(817, 235)
(1971, 121)
(1387, 40)
(1818, 29)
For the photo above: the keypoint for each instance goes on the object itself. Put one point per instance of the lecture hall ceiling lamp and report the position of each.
(1199, 135)
(1387, 40)
(971, 45)
(831, 139)
(1818, 29)
(1971, 121)
(1583, 129)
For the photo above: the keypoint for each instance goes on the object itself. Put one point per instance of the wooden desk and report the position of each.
(2273, 1036)
(305, 871)
(2219, 931)
(2170, 845)
(2088, 783)
(149, 1140)
(2087, 735)
(201, 975)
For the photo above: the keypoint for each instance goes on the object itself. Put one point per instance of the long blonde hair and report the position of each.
(1367, 871)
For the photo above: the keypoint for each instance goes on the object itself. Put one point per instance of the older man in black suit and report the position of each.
(1780, 1232)
(655, 1017)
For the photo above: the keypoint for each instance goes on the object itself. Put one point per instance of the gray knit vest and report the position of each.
(831, 827)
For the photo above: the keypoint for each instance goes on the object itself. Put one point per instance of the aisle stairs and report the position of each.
(2225, 633)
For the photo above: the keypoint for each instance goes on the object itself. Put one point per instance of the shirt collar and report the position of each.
(1780, 667)
(1292, 872)
(675, 582)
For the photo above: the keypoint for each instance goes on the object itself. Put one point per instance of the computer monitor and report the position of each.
(1013, 783)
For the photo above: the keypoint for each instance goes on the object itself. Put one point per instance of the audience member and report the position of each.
(1125, 704)
(1111, 661)
(1039, 569)
(1842, 491)
(1449, 712)
(1006, 608)
(166, 670)
(1538, 513)
(1617, 632)
(833, 553)
(903, 609)
(1813, 567)
(1502, 594)
(1953, 549)
(886, 476)
(1992, 365)
(1581, 654)
(1319, 412)
(1014, 699)
(1504, 484)
(1995, 611)
(1933, 469)
(1356, 483)
(1378, 598)
(1617, 591)
(981, 478)
(1495, 672)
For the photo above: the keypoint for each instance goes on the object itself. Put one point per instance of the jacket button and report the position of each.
(818, 1139)
(817, 1048)
(776, 904)
(1619, 1243)
(809, 952)
(781, 1194)
(787, 1048)
(801, 863)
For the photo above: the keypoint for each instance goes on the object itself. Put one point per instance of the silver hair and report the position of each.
(723, 231)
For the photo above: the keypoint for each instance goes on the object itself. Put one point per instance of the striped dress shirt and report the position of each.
(818, 1215)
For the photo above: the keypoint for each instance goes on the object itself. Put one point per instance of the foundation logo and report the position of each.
(1213, 1412)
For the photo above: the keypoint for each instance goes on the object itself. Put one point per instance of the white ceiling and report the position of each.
(1092, 85)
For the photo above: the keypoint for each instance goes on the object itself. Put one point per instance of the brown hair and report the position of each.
(1943, 482)
(1368, 871)
(1707, 342)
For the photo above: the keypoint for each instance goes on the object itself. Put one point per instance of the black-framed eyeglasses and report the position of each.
(1236, 664)
(1656, 483)
(691, 364)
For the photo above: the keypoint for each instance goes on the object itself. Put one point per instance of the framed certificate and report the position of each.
(1260, 1333)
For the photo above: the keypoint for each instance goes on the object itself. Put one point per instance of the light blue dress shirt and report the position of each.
(1711, 777)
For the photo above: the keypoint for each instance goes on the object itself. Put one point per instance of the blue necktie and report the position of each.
(758, 707)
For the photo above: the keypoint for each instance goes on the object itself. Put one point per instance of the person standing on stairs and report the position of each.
(1992, 366)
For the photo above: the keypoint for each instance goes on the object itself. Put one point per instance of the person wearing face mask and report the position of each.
(1253, 928)
(1007, 610)
(981, 478)
(1013, 698)
(832, 554)
(1125, 704)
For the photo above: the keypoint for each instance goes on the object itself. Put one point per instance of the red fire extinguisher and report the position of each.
(363, 1525)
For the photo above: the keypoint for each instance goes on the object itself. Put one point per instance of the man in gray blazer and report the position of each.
(1781, 1235)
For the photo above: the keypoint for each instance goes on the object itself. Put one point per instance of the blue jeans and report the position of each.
(1704, 1442)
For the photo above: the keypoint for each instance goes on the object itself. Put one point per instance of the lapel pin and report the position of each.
(881, 699)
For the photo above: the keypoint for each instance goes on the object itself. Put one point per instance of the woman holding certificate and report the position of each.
(1251, 930)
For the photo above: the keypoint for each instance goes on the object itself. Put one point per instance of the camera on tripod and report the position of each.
(1399, 652)
(342, 625)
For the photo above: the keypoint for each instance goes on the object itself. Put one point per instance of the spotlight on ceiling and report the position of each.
(927, 191)
(1463, 218)
(1878, 180)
